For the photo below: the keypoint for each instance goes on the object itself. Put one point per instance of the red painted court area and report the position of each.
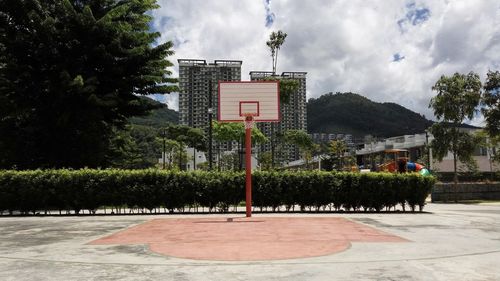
(245, 239)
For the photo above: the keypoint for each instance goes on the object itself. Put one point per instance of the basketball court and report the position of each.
(248, 239)
(450, 242)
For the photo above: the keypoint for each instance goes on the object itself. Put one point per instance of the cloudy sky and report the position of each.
(386, 50)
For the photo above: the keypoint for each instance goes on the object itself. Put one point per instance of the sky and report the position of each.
(386, 50)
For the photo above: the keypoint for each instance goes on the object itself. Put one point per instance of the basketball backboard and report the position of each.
(260, 99)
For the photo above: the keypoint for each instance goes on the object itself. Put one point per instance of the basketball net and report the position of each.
(249, 121)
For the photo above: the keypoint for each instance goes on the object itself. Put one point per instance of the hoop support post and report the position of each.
(248, 164)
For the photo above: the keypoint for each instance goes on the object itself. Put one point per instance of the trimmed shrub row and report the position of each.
(87, 189)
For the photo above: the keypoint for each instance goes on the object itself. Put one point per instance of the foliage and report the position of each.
(447, 139)
(491, 143)
(71, 72)
(351, 113)
(265, 160)
(287, 87)
(302, 140)
(230, 161)
(337, 149)
(491, 101)
(87, 189)
(457, 99)
(226, 131)
(135, 147)
(174, 153)
(196, 139)
(158, 117)
(299, 138)
(183, 135)
(236, 132)
(193, 137)
(276, 40)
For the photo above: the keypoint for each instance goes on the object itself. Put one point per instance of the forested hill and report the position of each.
(350, 113)
(158, 117)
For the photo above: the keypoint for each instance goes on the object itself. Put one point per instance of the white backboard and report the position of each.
(257, 98)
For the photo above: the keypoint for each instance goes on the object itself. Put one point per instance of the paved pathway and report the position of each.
(451, 242)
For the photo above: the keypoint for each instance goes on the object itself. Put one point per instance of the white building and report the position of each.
(415, 144)
(200, 159)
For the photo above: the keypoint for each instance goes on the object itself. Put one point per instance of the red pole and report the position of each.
(248, 167)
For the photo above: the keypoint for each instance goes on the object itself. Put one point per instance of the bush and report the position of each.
(29, 192)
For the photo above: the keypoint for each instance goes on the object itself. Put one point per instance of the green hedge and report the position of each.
(77, 190)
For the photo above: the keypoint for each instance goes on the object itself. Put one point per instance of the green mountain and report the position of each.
(350, 113)
(158, 117)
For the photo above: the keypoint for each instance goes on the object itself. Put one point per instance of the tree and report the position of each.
(226, 132)
(185, 135)
(301, 139)
(124, 151)
(173, 150)
(276, 40)
(337, 148)
(457, 99)
(265, 160)
(491, 102)
(195, 138)
(287, 86)
(71, 73)
(135, 147)
(491, 144)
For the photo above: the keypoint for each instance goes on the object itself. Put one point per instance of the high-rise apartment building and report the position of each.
(293, 117)
(196, 78)
(198, 82)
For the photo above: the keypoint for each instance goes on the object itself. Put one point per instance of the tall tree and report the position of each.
(70, 74)
(491, 101)
(457, 99)
(287, 86)
(276, 40)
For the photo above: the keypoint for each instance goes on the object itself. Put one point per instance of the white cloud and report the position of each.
(343, 45)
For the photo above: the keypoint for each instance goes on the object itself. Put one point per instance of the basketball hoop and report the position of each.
(248, 102)
(249, 121)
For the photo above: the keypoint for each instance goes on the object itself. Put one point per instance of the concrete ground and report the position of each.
(450, 242)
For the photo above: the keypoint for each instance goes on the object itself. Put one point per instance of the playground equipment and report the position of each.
(397, 160)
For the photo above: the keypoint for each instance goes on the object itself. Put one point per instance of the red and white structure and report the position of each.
(248, 102)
